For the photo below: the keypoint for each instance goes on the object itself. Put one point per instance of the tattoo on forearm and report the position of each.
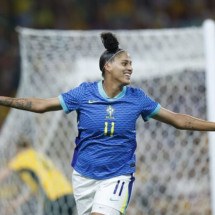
(23, 104)
(189, 125)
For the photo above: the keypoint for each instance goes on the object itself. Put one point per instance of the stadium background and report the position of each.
(85, 14)
(80, 15)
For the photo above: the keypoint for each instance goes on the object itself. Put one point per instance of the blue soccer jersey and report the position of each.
(106, 141)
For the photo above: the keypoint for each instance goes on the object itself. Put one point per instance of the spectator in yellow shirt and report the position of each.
(38, 171)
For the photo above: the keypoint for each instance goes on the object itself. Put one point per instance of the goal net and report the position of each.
(169, 65)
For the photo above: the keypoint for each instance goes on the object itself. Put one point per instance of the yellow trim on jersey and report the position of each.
(53, 182)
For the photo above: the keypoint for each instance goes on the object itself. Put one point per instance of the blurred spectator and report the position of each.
(39, 173)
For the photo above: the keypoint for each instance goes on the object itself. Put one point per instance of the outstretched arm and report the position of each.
(184, 121)
(36, 105)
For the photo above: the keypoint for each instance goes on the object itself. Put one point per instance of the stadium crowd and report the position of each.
(84, 14)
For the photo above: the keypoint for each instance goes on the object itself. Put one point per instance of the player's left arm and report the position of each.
(184, 121)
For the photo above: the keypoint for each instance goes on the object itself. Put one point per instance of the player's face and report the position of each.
(121, 68)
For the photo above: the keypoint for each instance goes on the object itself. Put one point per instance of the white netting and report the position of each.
(172, 166)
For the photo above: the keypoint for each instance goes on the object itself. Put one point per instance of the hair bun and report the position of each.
(110, 41)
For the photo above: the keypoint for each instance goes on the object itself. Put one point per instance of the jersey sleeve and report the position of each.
(149, 107)
(71, 100)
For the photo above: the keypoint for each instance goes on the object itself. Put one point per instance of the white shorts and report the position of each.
(109, 196)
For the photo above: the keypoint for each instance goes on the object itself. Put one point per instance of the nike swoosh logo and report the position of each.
(114, 200)
(92, 101)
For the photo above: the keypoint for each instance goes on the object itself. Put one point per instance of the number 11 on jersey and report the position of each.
(111, 132)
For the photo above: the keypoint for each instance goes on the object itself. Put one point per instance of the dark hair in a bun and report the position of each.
(110, 42)
(111, 45)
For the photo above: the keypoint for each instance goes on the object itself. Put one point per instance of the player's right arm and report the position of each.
(36, 105)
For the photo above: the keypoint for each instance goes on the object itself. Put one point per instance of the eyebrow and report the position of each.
(130, 61)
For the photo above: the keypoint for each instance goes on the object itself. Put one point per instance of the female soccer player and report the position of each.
(104, 156)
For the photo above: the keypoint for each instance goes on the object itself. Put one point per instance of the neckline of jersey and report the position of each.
(104, 95)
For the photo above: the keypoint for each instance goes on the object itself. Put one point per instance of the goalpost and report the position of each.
(209, 33)
(176, 67)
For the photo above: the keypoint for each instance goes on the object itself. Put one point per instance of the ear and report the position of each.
(108, 67)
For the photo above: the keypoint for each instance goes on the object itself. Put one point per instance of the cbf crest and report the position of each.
(110, 112)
